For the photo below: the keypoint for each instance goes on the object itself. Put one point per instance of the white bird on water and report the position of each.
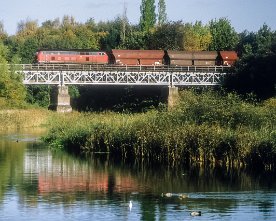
(195, 213)
(130, 205)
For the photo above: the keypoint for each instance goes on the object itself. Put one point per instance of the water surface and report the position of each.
(39, 184)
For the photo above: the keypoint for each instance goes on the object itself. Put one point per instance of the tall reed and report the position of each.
(205, 128)
(19, 118)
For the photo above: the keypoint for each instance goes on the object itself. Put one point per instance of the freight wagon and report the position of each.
(136, 57)
(199, 58)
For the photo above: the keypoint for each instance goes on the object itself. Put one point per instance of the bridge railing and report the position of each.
(130, 68)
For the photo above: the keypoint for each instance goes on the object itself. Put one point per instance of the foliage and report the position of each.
(24, 118)
(264, 40)
(168, 36)
(135, 40)
(26, 28)
(38, 95)
(196, 37)
(206, 128)
(162, 15)
(260, 43)
(224, 36)
(12, 90)
(27, 50)
(254, 74)
(114, 33)
(3, 34)
(148, 16)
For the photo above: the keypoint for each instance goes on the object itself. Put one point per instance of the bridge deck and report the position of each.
(75, 74)
(95, 67)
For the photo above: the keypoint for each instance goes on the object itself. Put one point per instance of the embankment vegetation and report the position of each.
(206, 128)
(11, 119)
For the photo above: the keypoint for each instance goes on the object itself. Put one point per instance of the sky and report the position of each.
(243, 14)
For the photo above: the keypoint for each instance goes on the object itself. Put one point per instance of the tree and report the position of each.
(135, 40)
(86, 38)
(196, 37)
(224, 36)
(28, 49)
(254, 74)
(124, 24)
(3, 34)
(148, 16)
(12, 90)
(260, 43)
(68, 22)
(55, 24)
(26, 28)
(168, 36)
(245, 45)
(1, 27)
(162, 15)
(113, 30)
(91, 24)
(264, 40)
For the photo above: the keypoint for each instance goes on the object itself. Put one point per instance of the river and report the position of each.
(37, 183)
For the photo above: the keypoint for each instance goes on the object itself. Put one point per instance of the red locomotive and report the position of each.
(78, 56)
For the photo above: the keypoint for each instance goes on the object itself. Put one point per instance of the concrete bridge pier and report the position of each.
(170, 96)
(60, 99)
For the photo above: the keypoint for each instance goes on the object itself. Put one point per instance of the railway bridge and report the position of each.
(170, 78)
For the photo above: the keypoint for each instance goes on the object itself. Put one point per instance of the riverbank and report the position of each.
(23, 118)
(205, 128)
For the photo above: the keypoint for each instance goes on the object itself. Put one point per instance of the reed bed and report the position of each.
(206, 128)
(23, 118)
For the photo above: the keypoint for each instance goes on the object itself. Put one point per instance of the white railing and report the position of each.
(84, 74)
(95, 67)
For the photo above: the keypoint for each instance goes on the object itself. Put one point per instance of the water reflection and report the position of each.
(47, 184)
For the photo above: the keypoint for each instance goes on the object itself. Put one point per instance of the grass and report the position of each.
(19, 118)
(206, 128)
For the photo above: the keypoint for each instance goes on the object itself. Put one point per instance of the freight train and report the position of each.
(138, 57)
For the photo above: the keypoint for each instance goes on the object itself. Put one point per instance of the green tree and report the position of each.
(68, 22)
(86, 38)
(12, 90)
(3, 34)
(49, 34)
(168, 36)
(28, 49)
(38, 95)
(264, 40)
(26, 29)
(196, 37)
(224, 36)
(148, 16)
(254, 74)
(91, 24)
(259, 43)
(51, 24)
(135, 39)
(1, 27)
(245, 45)
(112, 39)
(162, 15)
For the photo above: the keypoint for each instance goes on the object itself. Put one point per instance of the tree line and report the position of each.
(154, 31)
